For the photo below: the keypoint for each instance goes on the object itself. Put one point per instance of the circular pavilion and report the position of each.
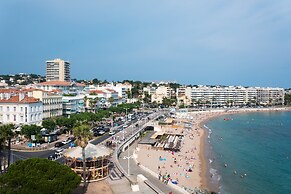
(97, 161)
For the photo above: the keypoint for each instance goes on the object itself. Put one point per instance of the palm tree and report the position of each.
(85, 103)
(83, 135)
(6, 134)
(91, 104)
(95, 101)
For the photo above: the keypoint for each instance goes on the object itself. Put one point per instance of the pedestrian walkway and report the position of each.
(134, 170)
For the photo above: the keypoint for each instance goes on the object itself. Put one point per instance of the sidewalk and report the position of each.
(22, 146)
(135, 170)
(100, 187)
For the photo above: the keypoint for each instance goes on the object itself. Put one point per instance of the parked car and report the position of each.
(106, 129)
(111, 133)
(59, 151)
(65, 142)
(53, 156)
(58, 144)
(98, 133)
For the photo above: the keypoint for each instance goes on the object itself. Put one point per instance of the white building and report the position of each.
(52, 102)
(106, 97)
(63, 86)
(20, 109)
(161, 93)
(234, 96)
(183, 95)
(73, 105)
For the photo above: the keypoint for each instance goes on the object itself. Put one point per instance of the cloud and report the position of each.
(127, 36)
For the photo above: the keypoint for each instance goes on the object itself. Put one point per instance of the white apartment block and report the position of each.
(20, 109)
(183, 95)
(104, 96)
(73, 105)
(161, 92)
(119, 90)
(222, 96)
(58, 70)
(52, 102)
(150, 90)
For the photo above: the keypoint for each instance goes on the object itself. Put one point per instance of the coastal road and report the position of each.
(22, 155)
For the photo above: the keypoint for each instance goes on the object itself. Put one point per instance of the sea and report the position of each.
(250, 153)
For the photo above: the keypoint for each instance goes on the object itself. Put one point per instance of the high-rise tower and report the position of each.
(58, 70)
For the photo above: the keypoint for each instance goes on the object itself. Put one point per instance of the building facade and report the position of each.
(73, 105)
(20, 109)
(70, 88)
(58, 70)
(52, 102)
(236, 96)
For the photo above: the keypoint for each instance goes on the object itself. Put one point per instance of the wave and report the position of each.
(214, 175)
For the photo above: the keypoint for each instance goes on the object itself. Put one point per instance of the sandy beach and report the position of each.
(188, 167)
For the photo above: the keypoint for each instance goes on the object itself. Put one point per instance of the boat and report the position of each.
(227, 119)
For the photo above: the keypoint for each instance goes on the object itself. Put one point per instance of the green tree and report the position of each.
(83, 135)
(49, 124)
(28, 130)
(111, 100)
(38, 175)
(287, 99)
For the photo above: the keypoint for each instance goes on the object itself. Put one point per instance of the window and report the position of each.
(7, 108)
(0, 108)
(30, 109)
(14, 117)
(8, 117)
(21, 109)
(21, 118)
(14, 108)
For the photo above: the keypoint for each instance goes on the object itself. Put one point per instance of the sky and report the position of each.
(203, 42)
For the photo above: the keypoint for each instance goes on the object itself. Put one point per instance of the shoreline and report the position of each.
(204, 146)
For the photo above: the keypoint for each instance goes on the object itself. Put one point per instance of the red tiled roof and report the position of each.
(59, 83)
(15, 99)
(8, 90)
(32, 89)
(96, 92)
(110, 90)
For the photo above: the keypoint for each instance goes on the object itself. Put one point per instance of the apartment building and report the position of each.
(19, 108)
(58, 70)
(52, 101)
(63, 86)
(161, 92)
(236, 95)
(183, 95)
(73, 105)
